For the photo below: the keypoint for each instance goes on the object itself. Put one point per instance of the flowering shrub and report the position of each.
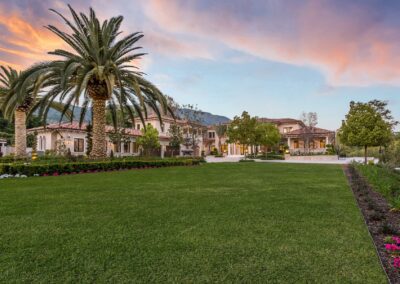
(392, 248)
(55, 169)
(396, 262)
(392, 245)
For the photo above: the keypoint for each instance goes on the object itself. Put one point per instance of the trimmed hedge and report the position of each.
(91, 166)
(273, 157)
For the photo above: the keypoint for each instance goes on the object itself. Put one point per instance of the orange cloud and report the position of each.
(350, 46)
(29, 44)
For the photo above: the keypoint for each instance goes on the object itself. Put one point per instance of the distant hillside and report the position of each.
(205, 117)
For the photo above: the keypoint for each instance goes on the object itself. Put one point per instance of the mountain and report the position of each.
(206, 118)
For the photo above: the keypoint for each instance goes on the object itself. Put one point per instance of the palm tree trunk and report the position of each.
(20, 134)
(99, 129)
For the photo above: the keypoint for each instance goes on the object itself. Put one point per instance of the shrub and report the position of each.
(388, 229)
(31, 169)
(246, 160)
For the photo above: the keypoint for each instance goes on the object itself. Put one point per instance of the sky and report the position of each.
(271, 58)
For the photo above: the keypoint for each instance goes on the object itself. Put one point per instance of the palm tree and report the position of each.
(98, 72)
(21, 107)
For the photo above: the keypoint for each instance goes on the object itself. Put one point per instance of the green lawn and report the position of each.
(243, 222)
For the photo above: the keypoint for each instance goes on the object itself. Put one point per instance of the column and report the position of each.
(229, 149)
(162, 151)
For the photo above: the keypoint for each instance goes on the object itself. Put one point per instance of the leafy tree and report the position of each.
(267, 134)
(242, 130)
(149, 140)
(176, 137)
(96, 70)
(364, 126)
(119, 136)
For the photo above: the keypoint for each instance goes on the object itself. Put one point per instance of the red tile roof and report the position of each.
(75, 126)
(279, 121)
(310, 130)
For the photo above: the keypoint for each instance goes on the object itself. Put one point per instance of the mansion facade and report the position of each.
(73, 138)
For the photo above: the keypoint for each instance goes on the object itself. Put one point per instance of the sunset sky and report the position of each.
(272, 58)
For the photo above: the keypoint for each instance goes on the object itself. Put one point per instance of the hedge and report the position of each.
(273, 157)
(30, 169)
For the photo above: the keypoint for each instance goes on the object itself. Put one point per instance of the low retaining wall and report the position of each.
(312, 158)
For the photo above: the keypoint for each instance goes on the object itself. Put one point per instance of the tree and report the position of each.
(310, 120)
(149, 140)
(364, 126)
(89, 140)
(96, 70)
(119, 136)
(193, 132)
(176, 137)
(267, 134)
(242, 130)
(20, 107)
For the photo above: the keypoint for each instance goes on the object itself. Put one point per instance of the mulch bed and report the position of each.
(380, 220)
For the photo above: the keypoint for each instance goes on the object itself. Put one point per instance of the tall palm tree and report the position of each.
(21, 107)
(97, 72)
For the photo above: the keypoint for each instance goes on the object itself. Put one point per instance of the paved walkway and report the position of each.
(233, 159)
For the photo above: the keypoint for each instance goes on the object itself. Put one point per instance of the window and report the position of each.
(211, 135)
(322, 143)
(138, 126)
(78, 144)
(117, 147)
(287, 129)
(296, 144)
(127, 147)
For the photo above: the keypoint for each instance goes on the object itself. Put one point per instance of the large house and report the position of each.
(64, 136)
(296, 138)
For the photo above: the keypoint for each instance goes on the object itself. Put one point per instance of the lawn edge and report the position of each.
(377, 238)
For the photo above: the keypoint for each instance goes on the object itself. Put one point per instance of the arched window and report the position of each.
(40, 143)
(44, 142)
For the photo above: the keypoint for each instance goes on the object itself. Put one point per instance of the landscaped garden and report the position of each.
(250, 222)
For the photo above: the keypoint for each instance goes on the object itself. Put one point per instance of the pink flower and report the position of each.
(392, 247)
(396, 240)
(396, 262)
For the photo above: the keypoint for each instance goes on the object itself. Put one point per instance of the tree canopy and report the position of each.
(149, 139)
(365, 126)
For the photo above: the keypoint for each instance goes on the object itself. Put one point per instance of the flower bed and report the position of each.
(383, 223)
(46, 169)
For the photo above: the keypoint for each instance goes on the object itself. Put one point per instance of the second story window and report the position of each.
(211, 135)
(287, 129)
(138, 126)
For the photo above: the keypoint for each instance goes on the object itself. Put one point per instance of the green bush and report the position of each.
(273, 157)
(44, 169)
(246, 160)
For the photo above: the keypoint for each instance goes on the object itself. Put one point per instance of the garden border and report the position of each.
(378, 219)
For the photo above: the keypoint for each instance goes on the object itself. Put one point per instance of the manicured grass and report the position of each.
(243, 222)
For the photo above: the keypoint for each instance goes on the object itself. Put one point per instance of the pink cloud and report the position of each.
(351, 46)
